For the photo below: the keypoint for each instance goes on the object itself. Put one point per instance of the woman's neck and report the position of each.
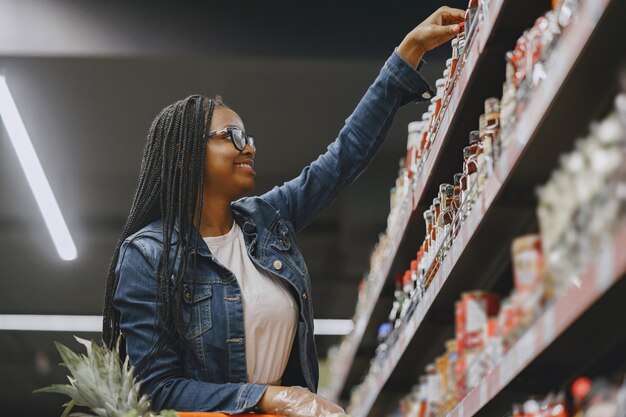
(217, 217)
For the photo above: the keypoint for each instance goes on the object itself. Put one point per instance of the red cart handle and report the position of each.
(199, 414)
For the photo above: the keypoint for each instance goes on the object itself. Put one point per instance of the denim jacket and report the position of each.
(212, 376)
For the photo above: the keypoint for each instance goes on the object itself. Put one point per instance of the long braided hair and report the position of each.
(170, 178)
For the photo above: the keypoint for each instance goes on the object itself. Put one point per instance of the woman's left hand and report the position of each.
(438, 28)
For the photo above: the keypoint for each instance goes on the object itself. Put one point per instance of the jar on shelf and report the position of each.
(456, 205)
(455, 60)
(462, 57)
(425, 145)
(438, 232)
(473, 168)
(431, 267)
(492, 122)
(528, 275)
(396, 308)
(407, 289)
(478, 148)
(471, 19)
(417, 290)
(447, 216)
(440, 85)
(467, 181)
(428, 219)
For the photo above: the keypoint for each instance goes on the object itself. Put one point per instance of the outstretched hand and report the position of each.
(438, 28)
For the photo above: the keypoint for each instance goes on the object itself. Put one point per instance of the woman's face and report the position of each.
(228, 171)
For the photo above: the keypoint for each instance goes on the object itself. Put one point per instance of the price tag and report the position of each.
(501, 168)
(527, 351)
(447, 263)
(525, 122)
(475, 218)
(483, 392)
(504, 372)
(594, 9)
(548, 326)
(604, 270)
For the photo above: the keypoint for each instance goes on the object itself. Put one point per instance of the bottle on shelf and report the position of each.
(490, 130)
(456, 205)
(466, 183)
(399, 297)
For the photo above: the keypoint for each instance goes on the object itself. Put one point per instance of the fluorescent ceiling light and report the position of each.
(34, 174)
(57, 323)
(333, 327)
(50, 323)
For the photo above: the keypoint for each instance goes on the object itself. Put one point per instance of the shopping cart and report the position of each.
(202, 414)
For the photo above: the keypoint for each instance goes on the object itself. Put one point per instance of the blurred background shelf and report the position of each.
(482, 77)
(581, 69)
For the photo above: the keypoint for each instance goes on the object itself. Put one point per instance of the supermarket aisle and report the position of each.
(497, 287)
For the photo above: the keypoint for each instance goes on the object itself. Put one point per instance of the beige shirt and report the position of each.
(270, 312)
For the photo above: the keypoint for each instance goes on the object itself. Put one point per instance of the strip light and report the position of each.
(30, 322)
(50, 323)
(333, 327)
(34, 175)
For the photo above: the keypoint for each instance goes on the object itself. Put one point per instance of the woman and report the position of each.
(181, 311)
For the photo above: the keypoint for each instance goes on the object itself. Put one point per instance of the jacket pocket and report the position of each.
(195, 317)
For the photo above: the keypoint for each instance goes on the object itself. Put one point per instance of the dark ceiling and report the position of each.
(88, 78)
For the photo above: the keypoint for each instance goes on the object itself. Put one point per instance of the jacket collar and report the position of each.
(241, 216)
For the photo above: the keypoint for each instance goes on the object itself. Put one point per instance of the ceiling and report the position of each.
(88, 78)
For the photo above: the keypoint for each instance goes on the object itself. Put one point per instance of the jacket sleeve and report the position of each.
(303, 198)
(163, 380)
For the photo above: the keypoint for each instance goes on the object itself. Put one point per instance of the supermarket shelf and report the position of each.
(485, 230)
(414, 328)
(555, 320)
(348, 348)
(503, 23)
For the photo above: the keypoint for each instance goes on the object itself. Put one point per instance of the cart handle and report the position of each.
(204, 414)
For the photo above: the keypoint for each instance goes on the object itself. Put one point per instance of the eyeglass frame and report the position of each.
(249, 140)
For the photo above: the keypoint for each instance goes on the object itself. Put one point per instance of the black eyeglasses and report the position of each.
(237, 137)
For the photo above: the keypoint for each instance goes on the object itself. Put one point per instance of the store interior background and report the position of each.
(89, 77)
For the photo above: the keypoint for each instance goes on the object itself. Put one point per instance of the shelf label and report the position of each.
(527, 348)
(502, 168)
(548, 326)
(594, 9)
(524, 125)
(504, 372)
(604, 270)
(483, 392)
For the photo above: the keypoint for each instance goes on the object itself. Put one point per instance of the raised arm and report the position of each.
(303, 198)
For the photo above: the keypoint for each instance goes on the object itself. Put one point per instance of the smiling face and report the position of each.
(228, 172)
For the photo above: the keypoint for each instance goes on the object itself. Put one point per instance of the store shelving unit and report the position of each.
(503, 23)
(479, 257)
(550, 326)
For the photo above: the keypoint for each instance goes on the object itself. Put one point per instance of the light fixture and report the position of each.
(56, 323)
(34, 174)
(332, 327)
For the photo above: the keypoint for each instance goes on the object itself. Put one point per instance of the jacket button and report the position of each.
(305, 295)
(426, 95)
(187, 295)
(278, 264)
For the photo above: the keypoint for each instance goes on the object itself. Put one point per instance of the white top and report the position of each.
(270, 313)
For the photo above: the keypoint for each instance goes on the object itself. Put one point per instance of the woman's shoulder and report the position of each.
(148, 240)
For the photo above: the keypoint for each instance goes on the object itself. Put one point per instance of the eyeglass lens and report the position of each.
(240, 139)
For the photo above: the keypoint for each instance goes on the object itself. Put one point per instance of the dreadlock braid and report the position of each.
(170, 177)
